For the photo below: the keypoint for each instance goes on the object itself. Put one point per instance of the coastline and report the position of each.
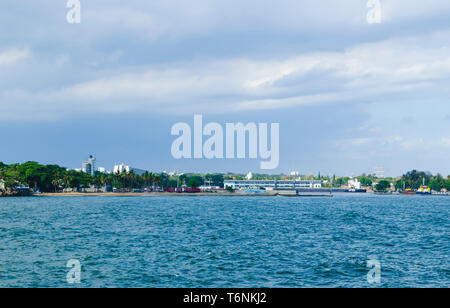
(154, 194)
(165, 194)
(201, 194)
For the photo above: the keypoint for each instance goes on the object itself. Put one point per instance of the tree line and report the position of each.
(414, 179)
(51, 178)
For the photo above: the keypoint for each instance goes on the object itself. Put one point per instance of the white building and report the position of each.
(271, 184)
(101, 169)
(249, 176)
(121, 168)
(354, 184)
(126, 168)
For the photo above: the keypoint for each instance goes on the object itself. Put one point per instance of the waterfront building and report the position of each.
(126, 168)
(19, 187)
(272, 184)
(89, 166)
(354, 184)
(121, 168)
(138, 171)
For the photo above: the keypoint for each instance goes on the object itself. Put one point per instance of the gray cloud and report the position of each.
(174, 58)
(392, 69)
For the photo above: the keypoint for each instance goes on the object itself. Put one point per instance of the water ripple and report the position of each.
(225, 242)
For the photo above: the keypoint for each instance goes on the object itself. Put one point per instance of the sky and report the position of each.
(349, 95)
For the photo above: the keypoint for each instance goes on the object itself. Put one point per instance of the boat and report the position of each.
(408, 191)
(424, 190)
(354, 190)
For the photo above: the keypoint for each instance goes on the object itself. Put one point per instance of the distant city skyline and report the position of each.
(349, 95)
(124, 167)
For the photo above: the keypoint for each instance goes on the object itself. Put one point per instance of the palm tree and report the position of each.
(123, 179)
(55, 183)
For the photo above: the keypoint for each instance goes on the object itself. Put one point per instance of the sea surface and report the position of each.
(225, 241)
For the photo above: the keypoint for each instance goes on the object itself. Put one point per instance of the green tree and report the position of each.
(365, 181)
(383, 185)
(194, 182)
(447, 184)
(229, 188)
(435, 185)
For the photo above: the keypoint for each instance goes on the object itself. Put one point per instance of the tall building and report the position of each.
(89, 166)
(126, 168)
(121, 168)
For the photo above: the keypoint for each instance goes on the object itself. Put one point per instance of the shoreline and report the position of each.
(153, 194)
(200, 194)
(165, 194)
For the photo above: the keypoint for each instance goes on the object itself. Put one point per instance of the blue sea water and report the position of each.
(225, 241)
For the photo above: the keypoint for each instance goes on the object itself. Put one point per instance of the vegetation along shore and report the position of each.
(32, 178)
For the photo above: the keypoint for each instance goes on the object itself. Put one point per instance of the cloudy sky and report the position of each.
(349, 95)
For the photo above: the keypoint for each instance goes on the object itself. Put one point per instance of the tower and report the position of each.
(89, 166)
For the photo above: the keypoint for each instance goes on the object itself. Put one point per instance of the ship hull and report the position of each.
(409, 193)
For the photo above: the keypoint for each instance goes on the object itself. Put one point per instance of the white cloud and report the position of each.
(185, 18)
(445, 141)
(392, 144)
(181, 56)
(12, 56)
(414, 144)
(359, 142)
(364, 72)
(401, 10)
(395, 69)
